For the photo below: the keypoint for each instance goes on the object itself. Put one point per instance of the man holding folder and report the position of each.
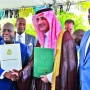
(45, 23)
(8, 78)
(50, 35)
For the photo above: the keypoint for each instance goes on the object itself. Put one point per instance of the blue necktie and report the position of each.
(19, 38)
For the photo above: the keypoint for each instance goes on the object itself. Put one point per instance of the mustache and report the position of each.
(42, 24)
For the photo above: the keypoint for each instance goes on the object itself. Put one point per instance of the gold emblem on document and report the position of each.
(9, 52)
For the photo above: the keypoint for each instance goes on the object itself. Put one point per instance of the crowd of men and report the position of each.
(70, 69)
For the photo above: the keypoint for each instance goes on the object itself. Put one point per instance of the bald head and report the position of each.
(8, 26)
(77, 36)
(8, 33)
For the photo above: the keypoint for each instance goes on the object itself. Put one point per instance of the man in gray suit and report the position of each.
(22, 37)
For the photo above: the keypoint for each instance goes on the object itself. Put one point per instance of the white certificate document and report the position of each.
(10, 57)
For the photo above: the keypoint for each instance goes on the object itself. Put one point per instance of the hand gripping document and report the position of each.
(43, 61)
(10, 57)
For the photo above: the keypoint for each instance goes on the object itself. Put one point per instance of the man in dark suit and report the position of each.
(22, 37)
(7, 79)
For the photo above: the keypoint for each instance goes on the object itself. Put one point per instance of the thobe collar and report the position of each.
(46, 39)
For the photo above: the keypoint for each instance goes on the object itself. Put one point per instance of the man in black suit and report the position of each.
(22, 37)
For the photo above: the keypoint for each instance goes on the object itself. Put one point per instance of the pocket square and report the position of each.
(30, 44)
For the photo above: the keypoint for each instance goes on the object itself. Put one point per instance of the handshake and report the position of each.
(13, 75)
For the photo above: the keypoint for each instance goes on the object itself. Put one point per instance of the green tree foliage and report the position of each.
(63, 16)
(30, 29)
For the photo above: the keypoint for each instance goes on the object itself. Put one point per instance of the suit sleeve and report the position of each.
(1, 71)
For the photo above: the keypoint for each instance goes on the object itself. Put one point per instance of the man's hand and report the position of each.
(13, 77)
(8, 74)
(44, 78)
(15, 74)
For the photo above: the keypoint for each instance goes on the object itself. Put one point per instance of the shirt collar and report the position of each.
(23, 34)
(46, 34)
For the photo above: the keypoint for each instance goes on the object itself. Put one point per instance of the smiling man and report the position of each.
(50, 35)
(42, 23)
(7, 79)
(22, 37)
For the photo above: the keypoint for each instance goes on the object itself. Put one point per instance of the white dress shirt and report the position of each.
(46, 40)
(87, 44)
(22, 38)
(49, 76)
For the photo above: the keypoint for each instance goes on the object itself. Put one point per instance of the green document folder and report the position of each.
(43, 61)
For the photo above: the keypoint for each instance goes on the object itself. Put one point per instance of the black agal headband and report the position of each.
(43, 10)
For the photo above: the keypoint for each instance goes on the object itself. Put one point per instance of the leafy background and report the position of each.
(80, 21)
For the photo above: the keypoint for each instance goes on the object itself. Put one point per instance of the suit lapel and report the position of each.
(26, 39)
(87, 57)
(83, 58)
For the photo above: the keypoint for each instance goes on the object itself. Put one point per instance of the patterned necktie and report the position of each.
(19, 38)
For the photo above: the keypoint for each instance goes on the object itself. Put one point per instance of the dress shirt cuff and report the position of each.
(49, 77)
(2, 75)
